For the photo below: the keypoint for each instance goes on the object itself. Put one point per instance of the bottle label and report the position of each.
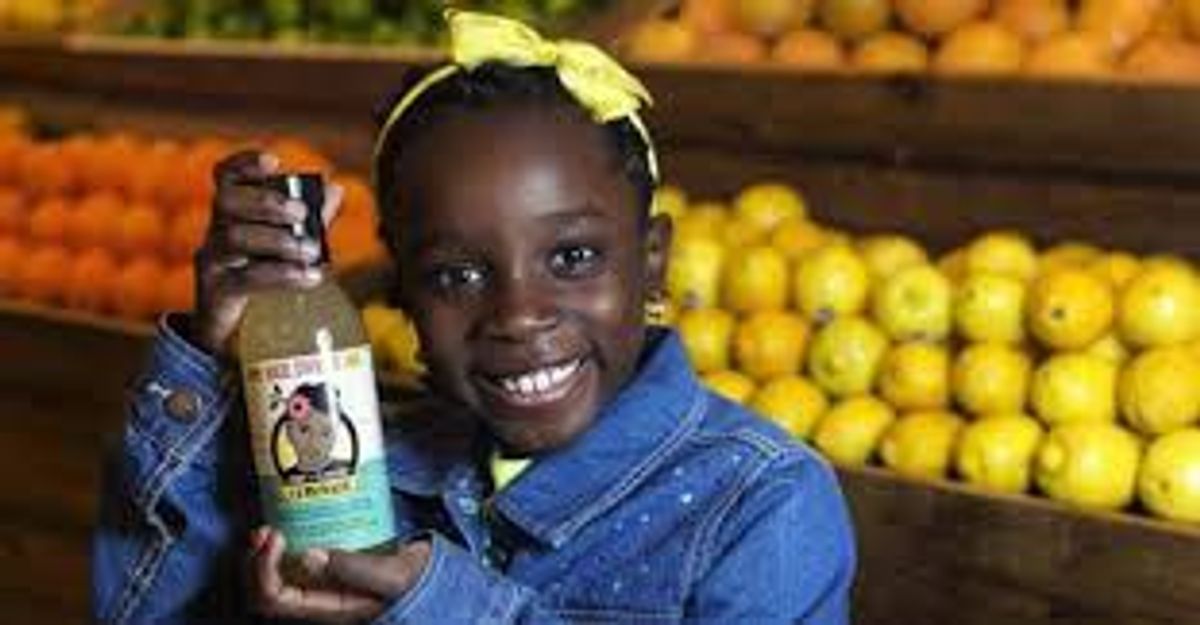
(318, 449)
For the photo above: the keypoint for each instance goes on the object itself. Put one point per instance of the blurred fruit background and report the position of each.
(107, 223)
(1128, 40)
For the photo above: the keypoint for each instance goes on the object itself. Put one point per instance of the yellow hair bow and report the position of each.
(589, 74)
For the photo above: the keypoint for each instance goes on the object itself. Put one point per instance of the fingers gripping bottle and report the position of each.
(311, 402)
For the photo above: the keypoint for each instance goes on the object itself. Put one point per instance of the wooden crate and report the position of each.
(940, 160)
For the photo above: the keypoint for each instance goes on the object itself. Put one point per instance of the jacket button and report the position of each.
(183, 405)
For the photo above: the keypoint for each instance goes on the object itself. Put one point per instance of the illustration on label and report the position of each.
(305, 439)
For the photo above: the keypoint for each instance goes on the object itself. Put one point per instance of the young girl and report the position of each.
(578, 471)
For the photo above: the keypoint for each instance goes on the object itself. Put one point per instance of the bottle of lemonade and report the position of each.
(314, 417)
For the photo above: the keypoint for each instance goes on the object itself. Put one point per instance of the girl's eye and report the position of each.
(575, 260)
(456, 278)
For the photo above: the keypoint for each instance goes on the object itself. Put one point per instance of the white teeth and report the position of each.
(540, 382)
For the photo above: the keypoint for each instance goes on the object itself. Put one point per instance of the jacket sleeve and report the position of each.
(783, 553)
(164, 547)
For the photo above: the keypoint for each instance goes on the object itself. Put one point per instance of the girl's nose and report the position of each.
(521, 309)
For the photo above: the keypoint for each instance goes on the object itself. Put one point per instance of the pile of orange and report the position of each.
(1140, 40)
(108, 224)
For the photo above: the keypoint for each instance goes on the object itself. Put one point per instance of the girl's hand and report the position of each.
(337, 587)
(250, 246)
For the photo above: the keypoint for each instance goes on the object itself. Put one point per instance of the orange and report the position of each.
(769, 344)
(1033, 20)
(809, 49)
(296, 154)
(354, 242)
(12, 152)
(90, 280)
(1170, 21)
(358, 200)
(662, 40)
(1163, 60)
(12, 254)
(1190, 16)
(1118, 22)
(196, 168)
(707, 17)
(733, 47)
(980, 48)
(796, 237)
(141, 231)
(1070, 55)
(153, 180)
(137, 291)
(932, 18)
(891, 53)
(13, 219)
(116, 154)
(186, 231)
(49, 219)
(40, 278)
(854, 19)
(770, 18)
(96, 221)
(78, 153)
(45, 172)
(179, 289)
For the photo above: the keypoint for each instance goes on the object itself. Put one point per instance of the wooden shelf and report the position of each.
(1114, 164)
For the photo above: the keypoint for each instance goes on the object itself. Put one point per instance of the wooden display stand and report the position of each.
(942, 161)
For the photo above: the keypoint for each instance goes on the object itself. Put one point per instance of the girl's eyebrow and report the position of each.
(586, 212)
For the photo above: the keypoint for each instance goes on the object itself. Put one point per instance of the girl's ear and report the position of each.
(658, 249)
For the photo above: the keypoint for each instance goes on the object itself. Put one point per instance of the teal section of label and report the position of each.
(330, 515)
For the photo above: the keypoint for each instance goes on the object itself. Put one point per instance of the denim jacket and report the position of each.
(676, 506)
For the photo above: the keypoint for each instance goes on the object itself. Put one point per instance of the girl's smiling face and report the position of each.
(525, 262)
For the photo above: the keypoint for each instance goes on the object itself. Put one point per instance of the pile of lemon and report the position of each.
(1073, 371)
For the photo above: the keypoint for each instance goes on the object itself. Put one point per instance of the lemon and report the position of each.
(1068, 255)
(394, 341)
(793, 402)
(1169, 481)
(770, 343)
(921, 444)
(848, 434)
(1159, 390)
(1118, 268)
(1069, 308)
(694, 271)
(740, 232)
(730, 384)
(755, 279)
(916, 376)
(1089, 465)
(990, 307)
(1005, 253)
(705, 220)
(1073, 388)
(663, 312)
(953, 265)
(845, 355)
(830, 282)
(990, 378)
(915, 303)
(767, 204)
(1110, 348)
(1160, 306)
(706, 335)
(671, 201)
(885, 254)
(796, 237)
(996, 452)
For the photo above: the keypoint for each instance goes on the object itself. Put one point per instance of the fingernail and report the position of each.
(268, 161)
(258, 538)
(312, 275)
(310, 250)
(314, 560)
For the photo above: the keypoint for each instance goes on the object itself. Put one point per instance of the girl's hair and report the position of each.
(488, 86)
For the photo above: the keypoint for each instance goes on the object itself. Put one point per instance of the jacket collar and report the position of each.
(561, 492)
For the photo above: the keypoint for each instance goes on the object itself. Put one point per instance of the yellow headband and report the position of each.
(592, 77)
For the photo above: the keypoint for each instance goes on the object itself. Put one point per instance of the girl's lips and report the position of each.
(539, 387)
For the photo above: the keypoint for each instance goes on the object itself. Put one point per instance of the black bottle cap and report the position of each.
(310, 189)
